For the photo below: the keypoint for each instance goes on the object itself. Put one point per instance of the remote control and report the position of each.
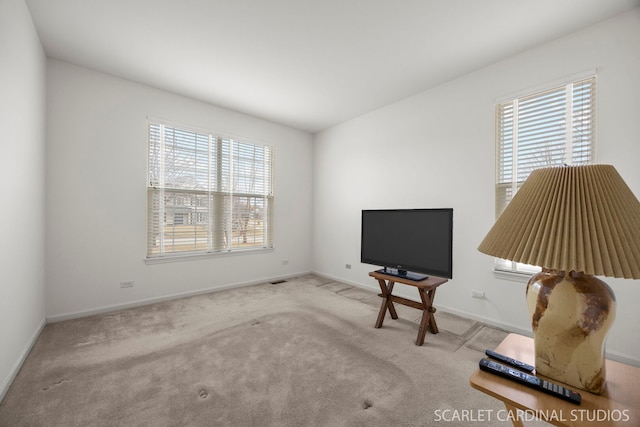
(509, 361)
(530, 380)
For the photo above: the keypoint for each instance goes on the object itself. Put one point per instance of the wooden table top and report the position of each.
(618, 405)
(429, 282)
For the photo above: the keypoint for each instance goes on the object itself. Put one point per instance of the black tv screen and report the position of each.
(409, 241)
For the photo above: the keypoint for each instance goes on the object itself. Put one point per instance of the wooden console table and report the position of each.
(618, 405)
(427, 291)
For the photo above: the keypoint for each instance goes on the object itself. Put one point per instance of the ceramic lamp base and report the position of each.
(571, 314)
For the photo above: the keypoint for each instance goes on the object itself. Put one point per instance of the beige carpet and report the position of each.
(302, 352)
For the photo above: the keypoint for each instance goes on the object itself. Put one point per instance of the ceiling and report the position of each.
(308, 64)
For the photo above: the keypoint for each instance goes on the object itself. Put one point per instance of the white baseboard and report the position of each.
(612, 355)
(507, 327)
(147, 301)
(348, 282)
(623, 358)
(618, 357)
(4, 388)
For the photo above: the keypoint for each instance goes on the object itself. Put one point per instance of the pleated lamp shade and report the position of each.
(571, 218)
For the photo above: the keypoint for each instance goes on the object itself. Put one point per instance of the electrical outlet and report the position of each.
(126, 284)
(347, 266)
(478, 294)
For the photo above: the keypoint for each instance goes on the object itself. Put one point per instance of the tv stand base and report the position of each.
(426, 289)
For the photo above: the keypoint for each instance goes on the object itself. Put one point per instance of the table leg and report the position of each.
(387, 304)
(428, 319)
(433, 326)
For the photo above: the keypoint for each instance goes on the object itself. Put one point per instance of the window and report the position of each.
(549, 128)
(207, 193)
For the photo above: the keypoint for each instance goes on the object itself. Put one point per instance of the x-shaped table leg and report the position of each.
(387, 304)
(428, 319)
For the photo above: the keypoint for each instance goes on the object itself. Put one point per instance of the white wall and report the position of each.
(96, 194)
(436, 149)
(22, 120)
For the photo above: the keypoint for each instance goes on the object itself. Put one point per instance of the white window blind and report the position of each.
(207, 193)
(549, 128)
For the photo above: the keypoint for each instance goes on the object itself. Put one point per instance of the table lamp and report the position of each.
(575, 222)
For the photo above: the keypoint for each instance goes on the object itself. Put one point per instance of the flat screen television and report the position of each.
(410, 243)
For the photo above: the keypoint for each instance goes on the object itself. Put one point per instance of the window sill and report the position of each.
(513, 276)
(198, 256)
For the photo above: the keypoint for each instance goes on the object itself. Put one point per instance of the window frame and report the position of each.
(213, 182)
(573, 141)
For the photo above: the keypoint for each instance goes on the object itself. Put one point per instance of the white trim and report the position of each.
(623, 358)
(371, 287)
(147, 301)
(4, 388)
(507, 327)
(192, 256)
(485, 320)
(618, 357)
(562, 81)
(513, 276)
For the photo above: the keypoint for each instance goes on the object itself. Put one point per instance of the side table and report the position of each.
(426, 289)
(618, 405)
